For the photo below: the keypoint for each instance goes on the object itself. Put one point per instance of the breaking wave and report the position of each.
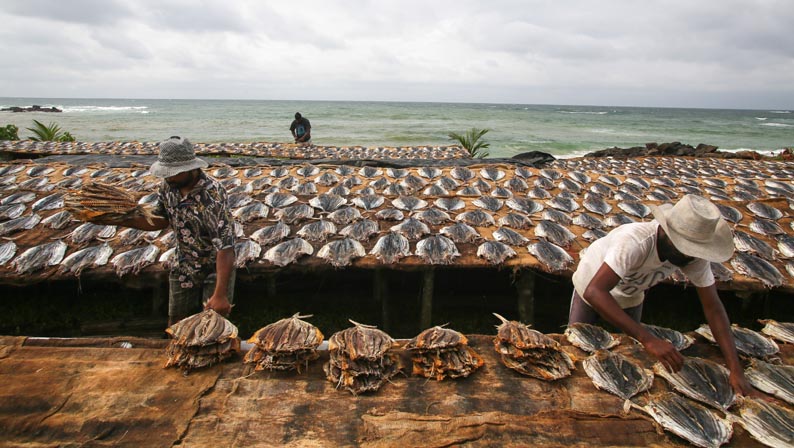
(131, 109)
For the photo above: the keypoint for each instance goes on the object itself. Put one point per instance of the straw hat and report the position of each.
(176, 156)
(696, 228)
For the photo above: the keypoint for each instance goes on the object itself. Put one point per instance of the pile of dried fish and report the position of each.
(442, 352)
(360, 360)
(531, 352)
(617, 374)
(201, 340)
(285, 345)
(748, 342)
(691, 421)
(590, 338)
(106, 204)
(701, 380)
(768, 423)
(777, 380)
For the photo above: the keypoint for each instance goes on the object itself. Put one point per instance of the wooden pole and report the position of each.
(426, 310)
(380, 288)
(525, 287)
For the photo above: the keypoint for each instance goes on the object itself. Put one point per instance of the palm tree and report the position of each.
(49, 133)
(471, 142)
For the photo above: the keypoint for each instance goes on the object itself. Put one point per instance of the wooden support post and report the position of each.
(426, 311)
(159, 294)
(380, 289)
(525, 288)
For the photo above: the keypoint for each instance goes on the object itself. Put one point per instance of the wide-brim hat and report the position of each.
(696, 228)
(176, 156)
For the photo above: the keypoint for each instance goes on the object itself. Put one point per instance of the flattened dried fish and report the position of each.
(90, 256)
(285, 253)
(720, 272)
(590, 338)
(50, 202)
(279, 200)
(516, 221)
(495, 252)
(21, 223)
(396, 173)
(556, 216)
(130, 236)
(245, 251)
(18, 198)
(271, 234)
(307, 170)
(201, 340)
(765, 211)
(409, 203)
(168, 258)
(412, 228)
(523, 205)
(368, 202)
(254, 210)
(437, 249)
(38, 257)
(294, 213)
(390, 214)
(359, 359)
(469, 191)
(517, 185)
(340, 252)
(758, 268)
(134, 260)
(553, 257)
(531, 352)
(344, 215)
(618, 220)
(564, 204)
(786, 246)
(730, 214)
(370, 171)
(360, 230)
(701, 380)
(461, 173)
(679, 340)
(488, 203)
(555, 233)
(538, 193)
(327, 202)
(776, 380)
(766, 227)
(238, 200)
(88, 231)
(449, 204)
(587, 221)
(442, 352)
(782, 331)
(510, 237)
(750, 244)
(11, 211)
(391, 247)
(7, 251)
(429, 172)
(461, 233)
(594, 234)
(412, 183)
(691, 421)
(305, 189)
(432, 216)
(637, 209)
(617, 374)
(476, 218)
(318, 230)
(748, 342)
(768, 423)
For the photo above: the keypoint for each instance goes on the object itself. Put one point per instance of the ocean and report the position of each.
(564, 131)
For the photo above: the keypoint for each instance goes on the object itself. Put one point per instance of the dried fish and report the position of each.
(201, 340)
(7, 251)
(524, 172)
(523, 205)
(245, 251)
(750, 244)
(412, 228)
(90, 256)
(617, 220)
(412, 183)
(168, 258)
(553, 257)
(679, 340)
(107, 203)
(449, 204)
(530, 352)
(758, 268)
(587, 221)
(437, 249)
(134, 260)
(786, 246)
(340, 252)
(21, 223)
(510, 237)
(637, 209)
(254, 210)
(294, 213)
(782, 331)
(360, 230)
(594, 234)
(516, 221)
(564, 204)
(344, 215)
(11, 211)
(776, 380)
(89, 231)
(748, 342)
(720, 272)
(765, 211)
(538, 193)
(618, 375)
(442, 352)
(38, 257)
(701, 380)
(768, 423)
(396, 173)
(409, 203)
(360, 359)
(429, 172)
(368, 202)
(432, 216)
(344, 170)
(280, 200)
(370, 172)
(488, 203)
(327, 202)
(435, 190)
(469, 191)
(317, 231)
(390, 214)
(287, 344)
(461, 173)
(271, 234)
(495, 252)
(461, 233)
(285, 253)
(550, 174)
(767, 228)
(50, 202)
(391, 247)
(590, 338)
(555, 233)
(128, 237)
(691, 421)
(476, 218)
(556, 216)
(517, 185)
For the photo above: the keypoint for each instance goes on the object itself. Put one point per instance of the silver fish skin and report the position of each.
(254, 210)
(344, 216)
(492, 173)
(279, 199)
(83, 258)
(590, 338)
(317, 231)
(516, 221)
(524, 172)
(776, 380)
(768, 423)
(495, 252)
(390, 214)
(538, 193)
(587, 221)
(550, 255)
(18, 198)
(523, 205)
(409, 203)
(238, 200)
(7, 251)
(271, 234)
(396, 173)
(461, 233)
(637, 209)
(412, 183)
(327, 202)
(40, 256)
(782, 331)
(555, 233)
(294, 213)
(412, 228)
(461, 173)
(344, 170)
(285, 253)
(437, 249)
(341, 252)
(369, 171)
(449, 204)
(360, 230)
(11, 211)
(305, 189)
(596, 205)
(327, 179)
(432, 216)
(476, 218)
(447, 183)
(88, 231)
(307, 170)
(390, 248)
(617, 220)
(435, 190)
(488, 203)
(748, 342)
(720, 272)
(550, 174)
(697, 424)
(757, 268)
(750, 244)
(130, 236)
(766, 227)
(765, 211)
(510, 237)
(481, 185)
(594, 234)
(21, 223)
(679, 340)
(368, 202)
(517, 185)
(246, 251)
(564, 204)
(50, 202)
(617, 374)
(132, 261)
(701, 380)
(785, 246)
(469, 191)
(429, 172)
(556, 216)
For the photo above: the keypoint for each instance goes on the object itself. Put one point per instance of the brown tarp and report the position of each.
(73, 394)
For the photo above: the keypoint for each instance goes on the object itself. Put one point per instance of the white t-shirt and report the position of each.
(630, 250)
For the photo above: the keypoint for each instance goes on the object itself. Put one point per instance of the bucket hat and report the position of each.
(176, 156)
(696, 228)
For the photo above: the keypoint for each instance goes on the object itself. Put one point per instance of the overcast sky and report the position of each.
(687, 53)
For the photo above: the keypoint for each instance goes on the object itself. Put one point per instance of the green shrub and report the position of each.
(471, 142)
(49, 133)
(9, 132)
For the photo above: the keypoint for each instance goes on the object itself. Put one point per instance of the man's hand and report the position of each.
(219, 303)
(666, 353)
(743, 387)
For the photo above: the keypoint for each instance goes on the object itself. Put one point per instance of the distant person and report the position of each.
(616, 270)
(301, 129)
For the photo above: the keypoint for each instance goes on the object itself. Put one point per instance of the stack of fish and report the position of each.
(285, 345)
(531, 352)
(105, 203)
(361, 359)
(442, 352)
(201, 340)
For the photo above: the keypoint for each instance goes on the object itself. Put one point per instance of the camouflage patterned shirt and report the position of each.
(202, 225)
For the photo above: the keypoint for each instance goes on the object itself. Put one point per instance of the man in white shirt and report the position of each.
(615, 271)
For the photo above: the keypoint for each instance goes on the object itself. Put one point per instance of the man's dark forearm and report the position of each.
(607, 307)
(720, 326)
(224, 265)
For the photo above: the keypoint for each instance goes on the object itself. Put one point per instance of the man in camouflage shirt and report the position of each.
(196, 207)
